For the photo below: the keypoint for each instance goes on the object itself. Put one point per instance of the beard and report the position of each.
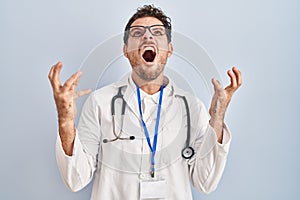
(149, 75)
(147, 72)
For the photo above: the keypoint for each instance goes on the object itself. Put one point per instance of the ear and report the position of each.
(170, 52)
(125, 51)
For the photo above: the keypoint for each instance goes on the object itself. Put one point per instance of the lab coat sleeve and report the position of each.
(77, 170)
(207, 165)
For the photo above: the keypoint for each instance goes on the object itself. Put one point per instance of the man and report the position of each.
(139, 155)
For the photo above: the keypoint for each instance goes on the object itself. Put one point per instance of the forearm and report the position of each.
(67, 132)
(217, 125)
(66, 110)
(216, 121)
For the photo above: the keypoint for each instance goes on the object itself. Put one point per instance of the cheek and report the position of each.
(132, 54)
(133, 58)
(163, 57)
(132, 46)
(162, 44)
(131, 49)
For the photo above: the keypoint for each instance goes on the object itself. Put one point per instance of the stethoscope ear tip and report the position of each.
(132, 137)
(105, 141)
(112, 140)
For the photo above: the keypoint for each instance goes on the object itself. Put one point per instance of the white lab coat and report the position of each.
(119, 166)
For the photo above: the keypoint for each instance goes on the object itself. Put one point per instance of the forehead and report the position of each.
(146, 21)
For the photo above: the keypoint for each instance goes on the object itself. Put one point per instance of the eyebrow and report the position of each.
(146, 26)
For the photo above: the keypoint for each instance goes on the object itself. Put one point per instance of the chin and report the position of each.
(149, 72)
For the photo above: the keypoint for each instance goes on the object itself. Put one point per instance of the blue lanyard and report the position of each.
(152, 147)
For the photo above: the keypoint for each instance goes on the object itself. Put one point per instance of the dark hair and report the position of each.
(149, 11)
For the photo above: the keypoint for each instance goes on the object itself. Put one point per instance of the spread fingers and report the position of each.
(54, 75)
(72, 82)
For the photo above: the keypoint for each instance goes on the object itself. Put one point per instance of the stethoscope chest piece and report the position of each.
(187, 152)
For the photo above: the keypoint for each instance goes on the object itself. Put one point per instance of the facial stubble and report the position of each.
(146, 72)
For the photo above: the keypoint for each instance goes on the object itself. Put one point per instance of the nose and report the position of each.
(147, 35)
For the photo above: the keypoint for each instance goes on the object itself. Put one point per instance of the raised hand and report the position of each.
(65, 99)
(65, 95)
(221, 100)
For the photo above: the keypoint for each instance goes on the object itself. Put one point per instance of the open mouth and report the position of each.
(149, 54)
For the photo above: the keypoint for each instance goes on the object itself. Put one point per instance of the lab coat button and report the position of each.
(142, 176)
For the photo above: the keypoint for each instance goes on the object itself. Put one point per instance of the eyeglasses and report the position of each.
(139, 31)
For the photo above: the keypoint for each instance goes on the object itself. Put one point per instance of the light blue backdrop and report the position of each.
(261, 37)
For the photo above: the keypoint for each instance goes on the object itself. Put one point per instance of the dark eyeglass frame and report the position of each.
(149, 28)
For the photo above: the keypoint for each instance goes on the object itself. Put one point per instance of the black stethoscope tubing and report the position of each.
(187, 152)
(118, 136)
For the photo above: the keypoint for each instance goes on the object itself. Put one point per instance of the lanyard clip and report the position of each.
(152, 171)
(152, 174)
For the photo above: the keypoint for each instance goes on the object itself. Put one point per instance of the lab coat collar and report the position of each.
(130, 92)
(171, 89)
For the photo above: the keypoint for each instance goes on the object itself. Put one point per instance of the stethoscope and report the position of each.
(118, 135)
(187, 152)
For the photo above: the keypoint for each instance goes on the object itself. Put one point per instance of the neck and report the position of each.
(150, 87)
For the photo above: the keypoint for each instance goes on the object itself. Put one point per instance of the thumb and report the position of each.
(216, 84)
(83, 92)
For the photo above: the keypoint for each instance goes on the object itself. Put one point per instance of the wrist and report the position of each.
(65, 111)
(65, 122)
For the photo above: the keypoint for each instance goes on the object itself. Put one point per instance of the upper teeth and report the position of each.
(149, 48)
